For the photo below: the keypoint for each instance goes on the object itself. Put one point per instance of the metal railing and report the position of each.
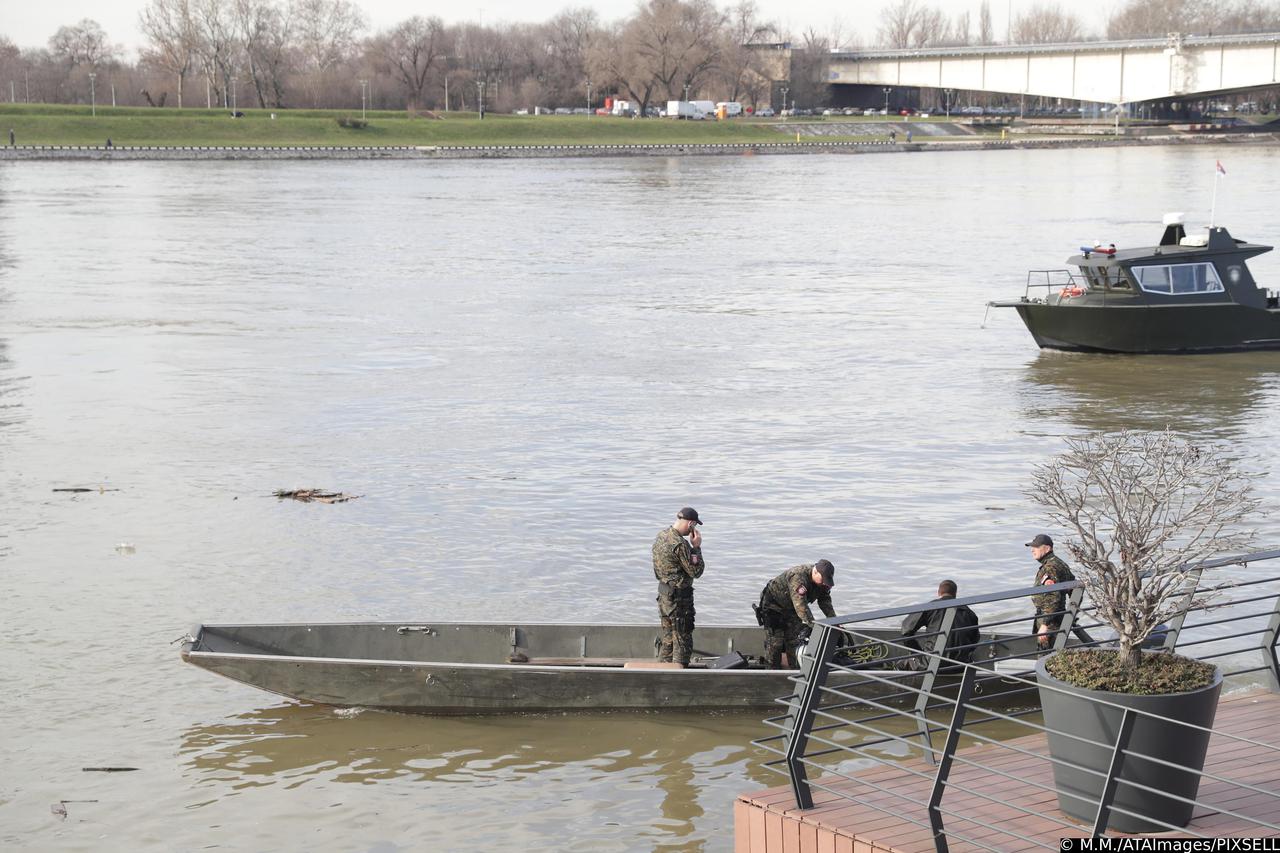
(1052, 279)
(831, 717)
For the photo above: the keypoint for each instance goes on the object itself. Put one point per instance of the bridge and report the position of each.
(1112, 72)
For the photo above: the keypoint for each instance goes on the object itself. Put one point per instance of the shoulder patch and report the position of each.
(800, 590)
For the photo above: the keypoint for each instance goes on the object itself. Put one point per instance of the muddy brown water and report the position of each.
(525, 370)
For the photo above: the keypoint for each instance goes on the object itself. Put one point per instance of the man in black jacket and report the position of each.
(960, 641)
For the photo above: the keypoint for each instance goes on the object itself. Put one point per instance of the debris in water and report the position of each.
(314, 495)
(106, 769)
(81, 489)
(60, 806)
(126, 548)
(994, 508)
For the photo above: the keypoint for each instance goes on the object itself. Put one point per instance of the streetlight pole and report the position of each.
(948, 93)
(588, 96)
(481, 85)
(784, 98)
(364, 97)
(887, 90)
(233, 94)
(686, 91)
(93, 94)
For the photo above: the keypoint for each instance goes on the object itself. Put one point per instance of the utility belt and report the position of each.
(767, 617)
(675, 591)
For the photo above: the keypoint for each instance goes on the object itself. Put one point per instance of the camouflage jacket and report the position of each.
(1051, 569)
(676, 562)
(791, 592)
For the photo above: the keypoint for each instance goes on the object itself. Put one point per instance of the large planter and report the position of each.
(1071, 710)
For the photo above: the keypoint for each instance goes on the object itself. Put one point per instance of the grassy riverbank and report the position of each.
(41, 124)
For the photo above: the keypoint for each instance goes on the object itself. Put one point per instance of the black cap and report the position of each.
(689, 514)
(827, 571)
(1041, 539)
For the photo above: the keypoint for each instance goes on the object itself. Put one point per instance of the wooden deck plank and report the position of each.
(876, 822)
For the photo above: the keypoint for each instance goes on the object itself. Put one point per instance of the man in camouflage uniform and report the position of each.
(1048, 605)
(784, 611)
(676, 564)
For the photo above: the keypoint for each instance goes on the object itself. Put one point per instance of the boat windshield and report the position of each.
(1178, 279)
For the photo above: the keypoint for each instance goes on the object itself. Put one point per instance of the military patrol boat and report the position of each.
(1188, 294)
(491, 668)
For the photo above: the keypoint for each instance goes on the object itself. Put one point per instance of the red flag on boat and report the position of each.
(1221, 170)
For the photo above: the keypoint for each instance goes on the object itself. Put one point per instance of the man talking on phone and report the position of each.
(676, 564)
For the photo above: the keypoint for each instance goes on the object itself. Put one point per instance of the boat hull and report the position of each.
(461, 668)
(1139, 328)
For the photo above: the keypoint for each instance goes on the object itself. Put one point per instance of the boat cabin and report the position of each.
(1210, 269)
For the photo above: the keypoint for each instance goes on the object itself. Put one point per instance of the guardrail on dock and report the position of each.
(832, 731)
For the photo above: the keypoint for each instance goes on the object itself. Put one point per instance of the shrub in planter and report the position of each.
(1142, 510)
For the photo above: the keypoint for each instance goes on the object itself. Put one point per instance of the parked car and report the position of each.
(765, 112)
(869, 111)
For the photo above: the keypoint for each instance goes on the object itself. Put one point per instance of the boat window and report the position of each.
(1178, 279)
(1113, 278)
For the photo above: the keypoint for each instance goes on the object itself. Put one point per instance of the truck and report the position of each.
(683, 109)
(732, 109)
(624, 108)
(707, 108)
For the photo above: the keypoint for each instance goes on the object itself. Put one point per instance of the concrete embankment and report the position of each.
(443, 152)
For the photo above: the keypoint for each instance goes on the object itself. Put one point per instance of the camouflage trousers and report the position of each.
(782, 634)
(675, 609)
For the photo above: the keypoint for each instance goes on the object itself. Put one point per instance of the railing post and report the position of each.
(948, 752)
(1175, 624)
(1113, 773)
(1269, 639)
(926, 684)
(1068, 618)
(813, 674)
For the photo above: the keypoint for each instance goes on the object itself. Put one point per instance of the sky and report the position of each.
(30, 24)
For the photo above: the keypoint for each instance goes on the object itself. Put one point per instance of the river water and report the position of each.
(524, 368)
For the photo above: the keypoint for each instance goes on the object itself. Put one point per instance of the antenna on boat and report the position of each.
(1218, 172)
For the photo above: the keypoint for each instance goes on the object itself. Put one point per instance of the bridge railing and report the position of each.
(833, 727)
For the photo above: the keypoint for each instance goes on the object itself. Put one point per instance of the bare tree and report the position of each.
(410, 50)
(325, 33)
(1156, 18)
(215, 47)
(899, 22)
(809, 66)
(264, 31)
(83, 44)
(170, 30)
(740, 65)
(326, 30)
(911, 23)
(1144, 508)
(1046, 23)
(986, 31)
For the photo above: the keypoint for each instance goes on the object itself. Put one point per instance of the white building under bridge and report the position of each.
(1180, 67)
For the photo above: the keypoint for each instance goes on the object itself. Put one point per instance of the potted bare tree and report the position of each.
(1143, 509)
